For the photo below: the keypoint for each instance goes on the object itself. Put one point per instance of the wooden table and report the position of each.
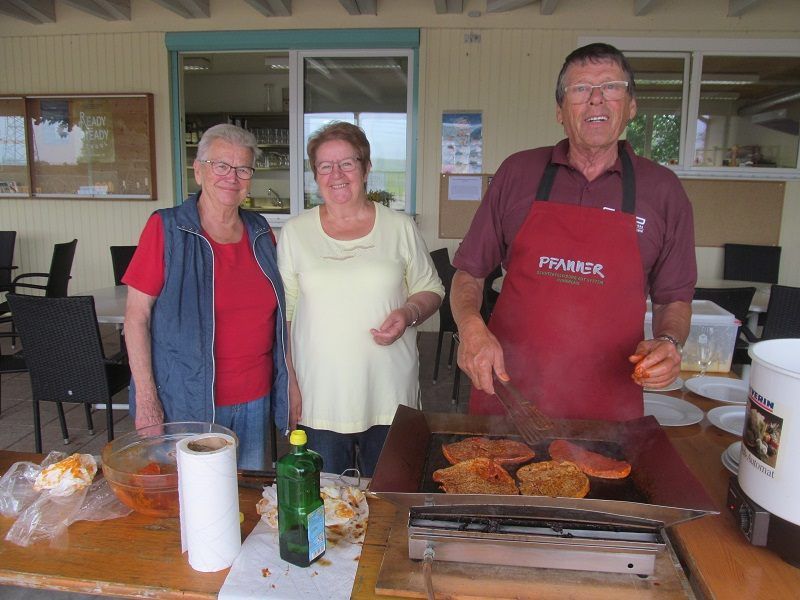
(139, 556)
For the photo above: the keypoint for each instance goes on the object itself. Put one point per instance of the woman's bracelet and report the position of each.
(415, 313)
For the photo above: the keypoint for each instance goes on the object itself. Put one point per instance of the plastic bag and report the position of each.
(44, 515)
(16, 486)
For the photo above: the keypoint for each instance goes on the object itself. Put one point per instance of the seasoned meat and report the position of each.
(503, 451)
(553, 478)
(476, 476)
(591, 463)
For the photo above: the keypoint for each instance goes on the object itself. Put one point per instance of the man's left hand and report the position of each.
(657, 363)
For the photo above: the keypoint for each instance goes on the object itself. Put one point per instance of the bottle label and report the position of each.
(316, 533)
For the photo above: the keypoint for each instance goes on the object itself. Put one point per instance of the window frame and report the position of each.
(294, 42)
(697, 48)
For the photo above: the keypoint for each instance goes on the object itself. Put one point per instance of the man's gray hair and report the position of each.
(595, 53)
(233, 135)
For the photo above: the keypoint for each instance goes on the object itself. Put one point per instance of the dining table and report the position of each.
(109, 303)
(139, 556)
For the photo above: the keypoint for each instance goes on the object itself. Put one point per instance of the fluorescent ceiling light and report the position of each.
(277, 63)
(196, 63)
(707, 79)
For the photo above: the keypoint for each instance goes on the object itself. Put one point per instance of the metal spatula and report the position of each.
(527, 418)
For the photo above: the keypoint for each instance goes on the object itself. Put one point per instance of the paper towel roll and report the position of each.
(209, 500)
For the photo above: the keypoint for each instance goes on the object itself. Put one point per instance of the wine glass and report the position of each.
(704, 349)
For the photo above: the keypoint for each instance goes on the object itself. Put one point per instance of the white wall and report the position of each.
(509, 75)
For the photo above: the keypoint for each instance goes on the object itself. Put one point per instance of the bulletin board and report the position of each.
(725, 210)
(738, 212)
(457, 205)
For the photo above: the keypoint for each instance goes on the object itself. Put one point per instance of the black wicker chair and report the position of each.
(783, 320)
(10, 363)
(120, 258)
(64, 354)
(447, 324)
(55, 285)
(746, 262)
(7, 241)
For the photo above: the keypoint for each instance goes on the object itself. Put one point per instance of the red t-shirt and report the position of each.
(244, 311)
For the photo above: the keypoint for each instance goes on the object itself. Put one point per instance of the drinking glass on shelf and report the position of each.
(704, 350)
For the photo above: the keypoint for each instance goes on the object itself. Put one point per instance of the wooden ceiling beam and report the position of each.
(272, 8)
(109, 10)
(360, 7)
(449, 7)
(737, 7)
(188, 9)
(495, 6)
(32, 11)
(642, 7)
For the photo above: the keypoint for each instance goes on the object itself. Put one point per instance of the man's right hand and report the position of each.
(480, 354)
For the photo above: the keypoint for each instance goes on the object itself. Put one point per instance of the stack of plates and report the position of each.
(730, 457)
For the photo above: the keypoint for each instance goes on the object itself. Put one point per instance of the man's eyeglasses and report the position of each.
(578, 93)
(222, 169)
(345, 165)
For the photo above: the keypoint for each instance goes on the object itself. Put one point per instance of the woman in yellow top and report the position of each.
(358, 279)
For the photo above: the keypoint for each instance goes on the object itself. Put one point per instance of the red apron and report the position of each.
(572, 308)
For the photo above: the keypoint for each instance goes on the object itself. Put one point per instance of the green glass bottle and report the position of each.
(301, 513)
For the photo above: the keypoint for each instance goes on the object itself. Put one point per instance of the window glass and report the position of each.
(13, 150)
(660, 88)
(371, 92)
(750, 109)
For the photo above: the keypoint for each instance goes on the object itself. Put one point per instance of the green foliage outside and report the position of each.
(664, 144)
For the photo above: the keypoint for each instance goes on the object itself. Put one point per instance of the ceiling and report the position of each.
(44, 11)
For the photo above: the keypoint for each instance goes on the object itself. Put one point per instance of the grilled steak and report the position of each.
(553, 478)
(591, 463)
(503, 451)
(476, 476)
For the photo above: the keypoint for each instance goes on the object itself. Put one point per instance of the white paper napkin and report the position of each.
(259, 571)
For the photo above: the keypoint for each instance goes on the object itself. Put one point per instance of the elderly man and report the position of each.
(586, 230)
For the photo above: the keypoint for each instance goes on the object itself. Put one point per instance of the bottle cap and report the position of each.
(298, 437)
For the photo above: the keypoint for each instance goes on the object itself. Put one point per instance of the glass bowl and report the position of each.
(141, 466)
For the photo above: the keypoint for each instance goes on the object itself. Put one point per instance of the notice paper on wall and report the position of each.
(464, 187)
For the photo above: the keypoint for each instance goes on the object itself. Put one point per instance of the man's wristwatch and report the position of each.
(671, 340)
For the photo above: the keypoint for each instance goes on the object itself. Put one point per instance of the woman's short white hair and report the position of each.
(228, 133)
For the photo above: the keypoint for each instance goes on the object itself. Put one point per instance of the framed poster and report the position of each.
(92, 146)
(462, 142)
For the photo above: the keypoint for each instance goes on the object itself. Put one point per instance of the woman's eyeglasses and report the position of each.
(578, 93)
(345, 165)
(222, 169)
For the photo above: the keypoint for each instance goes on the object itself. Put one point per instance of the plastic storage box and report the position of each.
(719, 326)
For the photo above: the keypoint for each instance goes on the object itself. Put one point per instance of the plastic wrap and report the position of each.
(46, 515)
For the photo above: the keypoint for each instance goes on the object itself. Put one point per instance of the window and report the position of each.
(364, 76)
(82, 146)
(719, 108)
(14, 178)
(371, 91)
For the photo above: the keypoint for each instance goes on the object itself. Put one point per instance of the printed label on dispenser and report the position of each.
(316, 533)
(762, 433)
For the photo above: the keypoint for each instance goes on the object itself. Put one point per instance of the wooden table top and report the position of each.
(139, 556)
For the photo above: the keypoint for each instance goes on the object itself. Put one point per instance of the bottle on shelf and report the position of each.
(301, 513)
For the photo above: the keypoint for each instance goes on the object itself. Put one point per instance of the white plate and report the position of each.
(734, 451)
(671, 412)
(729, 464)
(722, 389)
(675, 385)
(728, 418)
